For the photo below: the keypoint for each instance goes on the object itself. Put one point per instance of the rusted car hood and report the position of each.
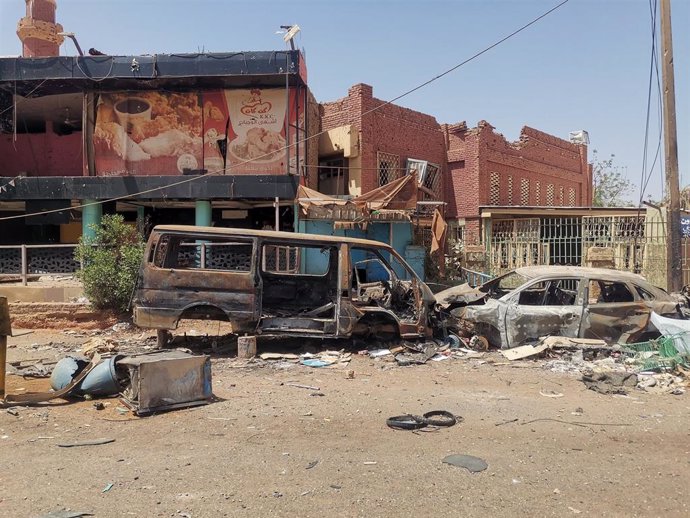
(459, 295)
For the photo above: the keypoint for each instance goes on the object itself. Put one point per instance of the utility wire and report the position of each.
(296, 143)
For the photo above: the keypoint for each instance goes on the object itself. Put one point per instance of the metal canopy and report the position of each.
(101, 188)
(61, 74)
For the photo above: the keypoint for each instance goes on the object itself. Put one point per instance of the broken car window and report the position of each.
(644, 294)
(555, 292)
(188, 252)
(296, 260)
(499, 287)
(605, 292)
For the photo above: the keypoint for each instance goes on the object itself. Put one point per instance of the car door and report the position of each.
(544, 307)
(612, 312)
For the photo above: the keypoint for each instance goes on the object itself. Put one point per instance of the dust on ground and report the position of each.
(268, 448)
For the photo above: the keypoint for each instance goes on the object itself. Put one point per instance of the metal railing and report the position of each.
(638, 243)
(30, 261)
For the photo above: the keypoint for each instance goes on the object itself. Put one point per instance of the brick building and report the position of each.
(364, 149)
(193, 139)
(485, 169)
(461, 169)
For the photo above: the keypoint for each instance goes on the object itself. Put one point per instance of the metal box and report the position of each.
(166, 380)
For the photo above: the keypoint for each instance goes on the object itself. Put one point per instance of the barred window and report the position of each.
(388, 167)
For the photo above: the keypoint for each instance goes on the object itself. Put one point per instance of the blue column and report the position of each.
(90, 215)
(202, 214)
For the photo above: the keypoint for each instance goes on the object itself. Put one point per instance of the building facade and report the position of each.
(485, 169)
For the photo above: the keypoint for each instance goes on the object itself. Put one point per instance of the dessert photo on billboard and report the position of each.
(148, 133)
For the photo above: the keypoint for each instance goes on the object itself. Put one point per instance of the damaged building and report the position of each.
(204, 138)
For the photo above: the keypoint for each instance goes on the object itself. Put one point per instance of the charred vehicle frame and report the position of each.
(532, 302)
(279, 283)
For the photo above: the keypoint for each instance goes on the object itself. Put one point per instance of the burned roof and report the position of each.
(532, 272)
(65, 74)
(272, 234)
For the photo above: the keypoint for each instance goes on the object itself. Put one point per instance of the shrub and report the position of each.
(110, 263)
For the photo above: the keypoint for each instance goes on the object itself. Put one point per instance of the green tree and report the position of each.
(110, 263)
(611, 188)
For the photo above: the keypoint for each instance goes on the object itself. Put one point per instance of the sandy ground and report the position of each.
(269, 449)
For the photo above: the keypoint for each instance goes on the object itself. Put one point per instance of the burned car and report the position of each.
(279, 283)
(531, 302)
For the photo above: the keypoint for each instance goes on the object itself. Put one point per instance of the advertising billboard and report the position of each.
(234, 131)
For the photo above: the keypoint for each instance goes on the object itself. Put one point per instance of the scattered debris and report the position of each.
(312, 464)
(66, 514)
(298, 385)
(507, 422)
(107, 487)
(550, 393)
(94, 442)
(166, 380)
(469, 462)
(610, 382)
(39, 397)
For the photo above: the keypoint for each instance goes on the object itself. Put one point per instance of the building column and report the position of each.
(90, 215)
(202, 213)
(141, 219)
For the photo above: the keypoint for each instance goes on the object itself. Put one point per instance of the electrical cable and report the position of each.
(316, 135)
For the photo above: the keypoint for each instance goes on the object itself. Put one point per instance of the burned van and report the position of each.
(279, 283)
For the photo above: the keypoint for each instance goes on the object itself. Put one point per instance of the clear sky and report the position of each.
(585, 66)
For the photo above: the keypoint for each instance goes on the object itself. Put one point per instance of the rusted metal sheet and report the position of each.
(166, 380)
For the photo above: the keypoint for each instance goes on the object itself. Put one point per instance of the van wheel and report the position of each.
(163, 338)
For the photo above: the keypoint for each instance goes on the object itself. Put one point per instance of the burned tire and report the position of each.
(406, 422)
(441, 418)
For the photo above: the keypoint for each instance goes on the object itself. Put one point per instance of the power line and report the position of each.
(296, 143)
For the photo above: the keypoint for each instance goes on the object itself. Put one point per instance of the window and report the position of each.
(537, 192)
(510, 189)
(495, 189)
(388, 167)
(605, 292)
(571, 197)
(644, 294)
(333, 175)
(297, 260)
(555, 292)
(524, 191)
(208, 253)
(549, 195)
(428, 175)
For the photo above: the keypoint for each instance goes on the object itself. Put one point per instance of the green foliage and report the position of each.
(110, 263)
(611, 187)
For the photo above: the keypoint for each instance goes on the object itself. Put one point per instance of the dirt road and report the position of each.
(269, 449)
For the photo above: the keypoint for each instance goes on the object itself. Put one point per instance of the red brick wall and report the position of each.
(535, 157)
(467, 156)
(389, 129)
